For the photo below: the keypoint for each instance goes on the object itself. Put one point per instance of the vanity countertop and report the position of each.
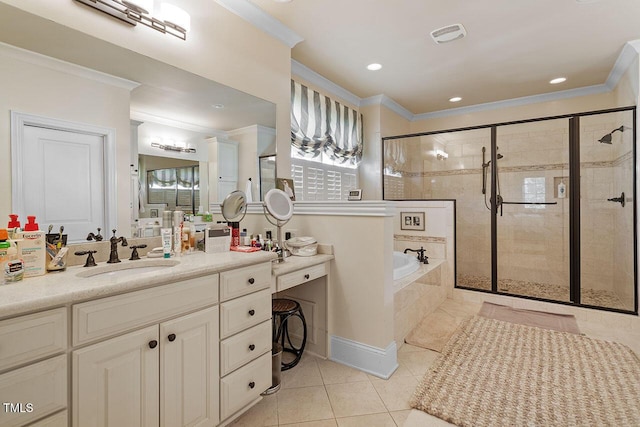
(60, 288)
(294, 263)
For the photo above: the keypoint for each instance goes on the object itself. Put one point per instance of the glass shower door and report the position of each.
(607, 262)
(532, 219)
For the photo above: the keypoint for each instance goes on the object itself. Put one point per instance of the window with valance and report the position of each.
(320, 125)
(326, 145)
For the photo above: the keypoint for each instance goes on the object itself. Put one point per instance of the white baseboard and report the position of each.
(373, 360)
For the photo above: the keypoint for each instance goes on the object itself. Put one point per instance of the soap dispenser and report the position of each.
(562, 190)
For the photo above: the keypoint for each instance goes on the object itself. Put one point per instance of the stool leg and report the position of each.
(297, 351)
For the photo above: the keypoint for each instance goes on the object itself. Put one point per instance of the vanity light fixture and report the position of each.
(558, 80)
(173, 148)
(164, 17)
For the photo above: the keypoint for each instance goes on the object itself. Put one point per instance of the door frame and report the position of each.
(18, 122)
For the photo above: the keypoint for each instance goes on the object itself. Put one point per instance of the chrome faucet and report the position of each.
(113, 256)
(421, 256)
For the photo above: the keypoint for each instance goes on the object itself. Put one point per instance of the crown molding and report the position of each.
(145, 117)
(515, 102)
(45, 61)
(252, 128)
(389, 103)
(262, 20)
(306, 73)
(629, 52)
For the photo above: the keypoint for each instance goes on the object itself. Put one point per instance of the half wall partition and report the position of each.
(545, 208)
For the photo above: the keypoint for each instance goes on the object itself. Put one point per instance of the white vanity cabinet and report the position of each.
(245, 333)
(164, 374)
(30, 387)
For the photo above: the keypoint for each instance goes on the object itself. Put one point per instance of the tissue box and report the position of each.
(217, 239)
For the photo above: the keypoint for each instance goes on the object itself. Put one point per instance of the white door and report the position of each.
(189, 366)
(63, 180)
(115, 382)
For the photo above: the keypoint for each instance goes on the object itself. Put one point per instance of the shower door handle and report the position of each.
(618, 199)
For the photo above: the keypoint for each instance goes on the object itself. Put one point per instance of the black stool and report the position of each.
(282, 310)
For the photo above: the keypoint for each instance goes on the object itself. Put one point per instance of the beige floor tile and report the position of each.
(336, 373)
(373, 420)
(263, 414)
(396, 392)
(402, 371)
(298, 405)
(418, 362)
(458, 309)
(422, 419)
(400, 416)
(322, 423)
(304, 374)
(407, 348)
(351, 399)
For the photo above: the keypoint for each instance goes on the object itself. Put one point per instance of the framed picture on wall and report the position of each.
(286, 185)
(153, 213)
(412, 221)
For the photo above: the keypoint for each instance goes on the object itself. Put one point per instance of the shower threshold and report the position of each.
(546, 291)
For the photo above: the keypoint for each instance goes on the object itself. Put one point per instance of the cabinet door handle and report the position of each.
(153, 344)
(252, 384)
(252, 347)
(251, 281)
(171, 337)
(252, 312)
(306, 276)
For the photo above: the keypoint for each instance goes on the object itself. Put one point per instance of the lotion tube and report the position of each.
(166, 242)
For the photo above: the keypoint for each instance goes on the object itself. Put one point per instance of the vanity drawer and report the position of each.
(242, 281)
(112, 315)
(30, 337)
(43, 385)
(244, 347)
(299, 277)
(242, 313)
(244, 385)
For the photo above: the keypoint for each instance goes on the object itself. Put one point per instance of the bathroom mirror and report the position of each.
(181, 106)
(234, 206)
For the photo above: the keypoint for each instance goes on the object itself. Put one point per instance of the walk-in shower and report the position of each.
(556, 215)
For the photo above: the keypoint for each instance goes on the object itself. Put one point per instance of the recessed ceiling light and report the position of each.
(218, 105)
(374, 67)
(455, 99)
(558, 80)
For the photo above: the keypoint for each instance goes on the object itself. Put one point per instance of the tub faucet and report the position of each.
(113, 256)
(421, 256)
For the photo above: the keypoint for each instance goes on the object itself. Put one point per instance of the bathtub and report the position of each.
(404, 264)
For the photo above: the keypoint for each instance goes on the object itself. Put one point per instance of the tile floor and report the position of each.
(322, 393)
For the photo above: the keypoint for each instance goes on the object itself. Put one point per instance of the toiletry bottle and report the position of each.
(14, 226)
(166, 234)
(186, 237)
(562, 190)
(243, 237)
(192, 237)
(10, 263)
(32, 248)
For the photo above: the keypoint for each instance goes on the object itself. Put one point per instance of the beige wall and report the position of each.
(33, 89)
(361, 292)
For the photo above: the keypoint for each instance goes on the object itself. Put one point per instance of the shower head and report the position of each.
(607, 138)
(499, 156)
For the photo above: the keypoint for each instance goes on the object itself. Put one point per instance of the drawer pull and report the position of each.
(252, 384)
(153, 344)
(251, 281)
(252, 312)
(171, 337)
(306, 276)
(252, 347)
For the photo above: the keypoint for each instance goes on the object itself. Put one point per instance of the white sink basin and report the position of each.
(127, 268)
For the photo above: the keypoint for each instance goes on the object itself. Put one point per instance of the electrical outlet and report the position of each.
(293, 232)
(273, 234)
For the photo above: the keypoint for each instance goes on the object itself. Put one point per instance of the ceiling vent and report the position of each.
(448, 33)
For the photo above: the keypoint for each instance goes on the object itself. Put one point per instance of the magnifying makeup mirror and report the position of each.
(234, 206)
(278, 206)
